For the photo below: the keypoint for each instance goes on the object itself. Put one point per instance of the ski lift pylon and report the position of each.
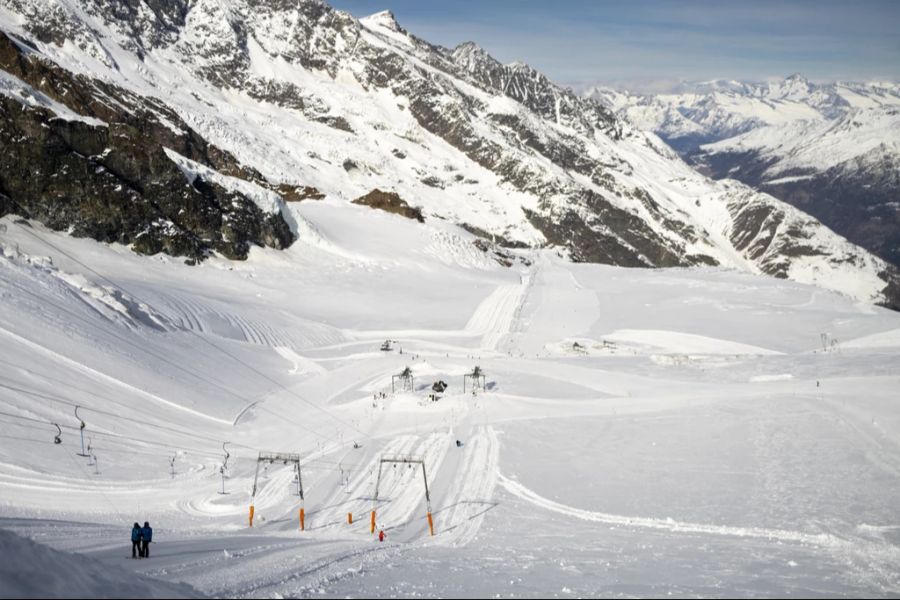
(81, 427)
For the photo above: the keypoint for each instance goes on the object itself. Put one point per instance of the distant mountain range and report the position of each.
(832, 150)
(188, 126)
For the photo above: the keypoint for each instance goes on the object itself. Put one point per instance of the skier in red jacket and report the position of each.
(381, 535)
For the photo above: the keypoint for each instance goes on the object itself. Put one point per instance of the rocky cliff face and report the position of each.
(89, 158)
(294, 95)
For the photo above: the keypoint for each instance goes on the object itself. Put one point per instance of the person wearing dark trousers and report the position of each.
(136, 535)
(146, 538)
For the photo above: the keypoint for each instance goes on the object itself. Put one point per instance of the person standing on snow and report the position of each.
(381, 535)
(146, 537)
(136, 535)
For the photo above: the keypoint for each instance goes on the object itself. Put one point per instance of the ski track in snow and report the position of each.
(874, 558)
(521, 491)
(463, 512)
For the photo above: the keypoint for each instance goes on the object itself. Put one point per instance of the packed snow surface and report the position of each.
(640, 432)
(32, 570)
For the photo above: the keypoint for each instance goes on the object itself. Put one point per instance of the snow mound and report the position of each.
(32, 570)
(683, 343)
(885, 339)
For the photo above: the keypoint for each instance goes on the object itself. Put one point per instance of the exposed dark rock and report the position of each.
(336, 122)
(892, 290)
(599, 239)
(114, 182)
(495, 238)
(298, 193)
(109, 184)
(432, 181)
(390, 202)
(501, 256)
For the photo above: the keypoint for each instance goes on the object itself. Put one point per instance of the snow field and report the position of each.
(699, 457)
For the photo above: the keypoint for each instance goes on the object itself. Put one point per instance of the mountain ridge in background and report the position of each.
(830, 149)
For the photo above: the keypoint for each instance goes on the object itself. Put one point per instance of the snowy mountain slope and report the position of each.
(701, 439)
(312, 99)
(844, 171)
(817, 146)
(828, 149)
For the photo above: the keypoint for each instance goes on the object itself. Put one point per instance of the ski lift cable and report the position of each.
(112, 436)
(24, 439)
(143, 349)
(314, 463)
(174, 365)
(205, 380)
(99, 489)
(128, 451)
(317, 462)
(78, 389)
(192, 435)
(201, 338)
(115, 416)
(181, 368)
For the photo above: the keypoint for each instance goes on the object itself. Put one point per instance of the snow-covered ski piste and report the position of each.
(693, 432)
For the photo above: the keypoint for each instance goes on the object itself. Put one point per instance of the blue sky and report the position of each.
(581, 42)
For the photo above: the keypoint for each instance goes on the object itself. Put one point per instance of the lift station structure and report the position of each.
(403, 380)
(476, 379)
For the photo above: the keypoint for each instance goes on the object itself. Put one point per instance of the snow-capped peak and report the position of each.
(384, 19)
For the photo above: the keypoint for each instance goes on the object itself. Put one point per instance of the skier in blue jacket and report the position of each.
(136, 535)
(146, 538)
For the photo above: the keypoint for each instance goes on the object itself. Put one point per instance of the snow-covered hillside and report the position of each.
(640, 432)
(306, 101)
(813, 146)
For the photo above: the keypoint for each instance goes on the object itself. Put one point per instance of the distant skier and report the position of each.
(136, 541)
(458, 444)
(381, 535)
(146, 538)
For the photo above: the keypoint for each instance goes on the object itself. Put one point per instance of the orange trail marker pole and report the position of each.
(251, 515)
(302, 519)
(373, 522)
(430, 524)
(350, 518)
